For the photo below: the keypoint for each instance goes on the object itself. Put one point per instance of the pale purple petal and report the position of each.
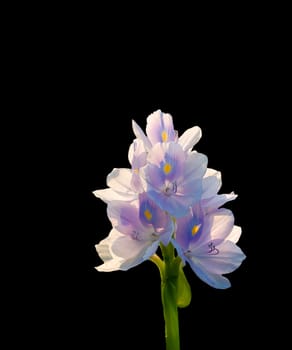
(211, 183)
(139, 133)
(189, 138)
(151, 214)
(153, 176)
(159, 128)
(228, 257)
(191, 183)
(175, 205)
(169, 158)
(196, 165)
(137, 154)
(179, 250)
(174, 179)
(213, 280)
(217, 226)
(124, 217)
(137, 182)
(182, 236)
(217, 201)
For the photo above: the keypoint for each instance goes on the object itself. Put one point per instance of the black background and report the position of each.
(80, 90)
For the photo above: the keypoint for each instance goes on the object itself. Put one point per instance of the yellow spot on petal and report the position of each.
(167, 168)
(147, 214)
(195, 229)
(164, 136)
(136, 171)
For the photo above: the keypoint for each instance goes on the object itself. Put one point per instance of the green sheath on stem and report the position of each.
(175, 292)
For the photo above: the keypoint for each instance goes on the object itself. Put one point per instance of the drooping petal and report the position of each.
(212, 279)
(189, 138)
(133, 252)
(216, 227)
(227, 258)
(159, 127)
(180, 250)
(120, 252)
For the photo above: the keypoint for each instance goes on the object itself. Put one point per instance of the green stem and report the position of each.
(175, 292)
(170, 312)
(169, 275)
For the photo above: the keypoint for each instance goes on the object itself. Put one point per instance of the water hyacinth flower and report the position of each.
(208, 244)
(138, 228)
(166, 208)
(173, 177)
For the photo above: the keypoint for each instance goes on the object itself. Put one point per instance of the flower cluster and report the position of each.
(169, 196)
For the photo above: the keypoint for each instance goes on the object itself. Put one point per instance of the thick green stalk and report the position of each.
(169, 297)
(175, 292)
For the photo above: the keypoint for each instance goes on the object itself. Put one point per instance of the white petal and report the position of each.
(108, 195)
(223, 221)
(139, 133)
(133, 252)
(131, 153)
(211, 183)
(234, 234)
(189, 138)
(111, 261)
(120, 252)
(120, 180)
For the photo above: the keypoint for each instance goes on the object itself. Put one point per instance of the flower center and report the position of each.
(195, 229)
(164, 136)
(147, 214)
(170, 188)
(167, 168)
